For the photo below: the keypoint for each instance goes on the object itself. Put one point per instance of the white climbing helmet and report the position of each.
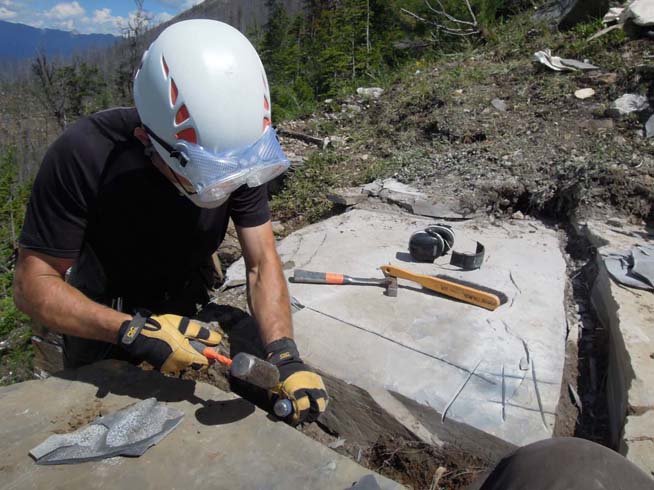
(202, 95)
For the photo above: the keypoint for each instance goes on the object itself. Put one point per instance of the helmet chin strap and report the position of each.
(151, 153)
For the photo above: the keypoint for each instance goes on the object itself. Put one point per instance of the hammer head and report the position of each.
(391, 287)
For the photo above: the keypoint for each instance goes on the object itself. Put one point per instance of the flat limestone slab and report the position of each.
(628, 314)
(223, 442)
(422, 347)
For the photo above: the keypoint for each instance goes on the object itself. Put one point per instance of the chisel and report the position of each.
(310, 277)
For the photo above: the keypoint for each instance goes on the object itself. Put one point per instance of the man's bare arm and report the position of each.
(41, 293)
(267, 291)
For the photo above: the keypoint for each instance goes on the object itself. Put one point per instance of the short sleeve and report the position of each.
(62, 196)
(249, 206)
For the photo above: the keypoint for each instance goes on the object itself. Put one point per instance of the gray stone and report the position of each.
(397, 187)
(347, 197)
(374, 92)
(395, 192)
(640, 12)
(443, 209)
(628, 316)
(584, 93)
(413, 352)
(578, 65)
(567, 13)
(223, 440)
(499, 104)
(649, 127)
(518, 215)
(278, 228)
(627, 104)
(638, 441)
(373, 188)
(129, 431)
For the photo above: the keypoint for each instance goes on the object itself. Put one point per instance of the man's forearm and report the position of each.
(269, 300)
(46, 298)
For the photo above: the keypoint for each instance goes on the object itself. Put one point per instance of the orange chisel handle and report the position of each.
(311, 277)
(211, 353)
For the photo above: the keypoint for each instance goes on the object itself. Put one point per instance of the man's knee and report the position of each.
(564, 463)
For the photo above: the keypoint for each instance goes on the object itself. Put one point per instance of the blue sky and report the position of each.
(87, 16)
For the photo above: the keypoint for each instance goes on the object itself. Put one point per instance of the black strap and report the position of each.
(136, 324)
(172, 151)
(469, 261)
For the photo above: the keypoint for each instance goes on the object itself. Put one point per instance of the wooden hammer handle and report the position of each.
(461, 292)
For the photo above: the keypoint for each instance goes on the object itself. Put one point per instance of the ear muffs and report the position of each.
(432, 242)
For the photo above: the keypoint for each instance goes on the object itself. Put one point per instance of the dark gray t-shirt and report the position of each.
(96, 189)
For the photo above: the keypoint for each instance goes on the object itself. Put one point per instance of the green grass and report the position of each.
(304, 194)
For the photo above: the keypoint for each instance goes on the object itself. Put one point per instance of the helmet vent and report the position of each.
(164, 65)
(188, 135)
(173, 92)
(266, 104)
(182, 115)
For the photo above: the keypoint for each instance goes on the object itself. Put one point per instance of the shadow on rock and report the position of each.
(124, 379)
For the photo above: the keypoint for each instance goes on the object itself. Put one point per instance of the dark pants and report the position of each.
(565, 463)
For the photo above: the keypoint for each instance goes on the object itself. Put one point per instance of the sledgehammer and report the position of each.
(250, 369)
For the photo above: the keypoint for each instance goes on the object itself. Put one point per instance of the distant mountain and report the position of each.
(20, 41)
(242, 14)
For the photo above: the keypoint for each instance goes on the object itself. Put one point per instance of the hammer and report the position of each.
(250, 369)
(388, 282)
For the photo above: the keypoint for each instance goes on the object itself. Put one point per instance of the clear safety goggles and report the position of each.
(216, 175)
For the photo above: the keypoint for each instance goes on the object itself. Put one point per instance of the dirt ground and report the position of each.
(548, 154)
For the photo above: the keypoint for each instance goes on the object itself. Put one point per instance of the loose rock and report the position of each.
(499, 104)
(627, 104)
(347, 197)
(374, 92)
(584, 93)
(567, 13)
(649, 127)
(278, 228)
(640, 12)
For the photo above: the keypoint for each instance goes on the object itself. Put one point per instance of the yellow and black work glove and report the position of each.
(297, 382)
(163, 341)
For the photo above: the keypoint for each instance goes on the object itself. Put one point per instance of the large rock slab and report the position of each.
(628, 315)
(223, 442)
(568, 13)
(420, 348)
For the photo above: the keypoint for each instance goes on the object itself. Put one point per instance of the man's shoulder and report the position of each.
(96, 136)
(116, 125)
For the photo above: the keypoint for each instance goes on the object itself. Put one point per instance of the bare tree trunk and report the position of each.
(52, 97)
(354, 62)
(12, 225)
(367, 29)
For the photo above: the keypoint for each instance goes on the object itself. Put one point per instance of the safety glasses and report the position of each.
(216, 175)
